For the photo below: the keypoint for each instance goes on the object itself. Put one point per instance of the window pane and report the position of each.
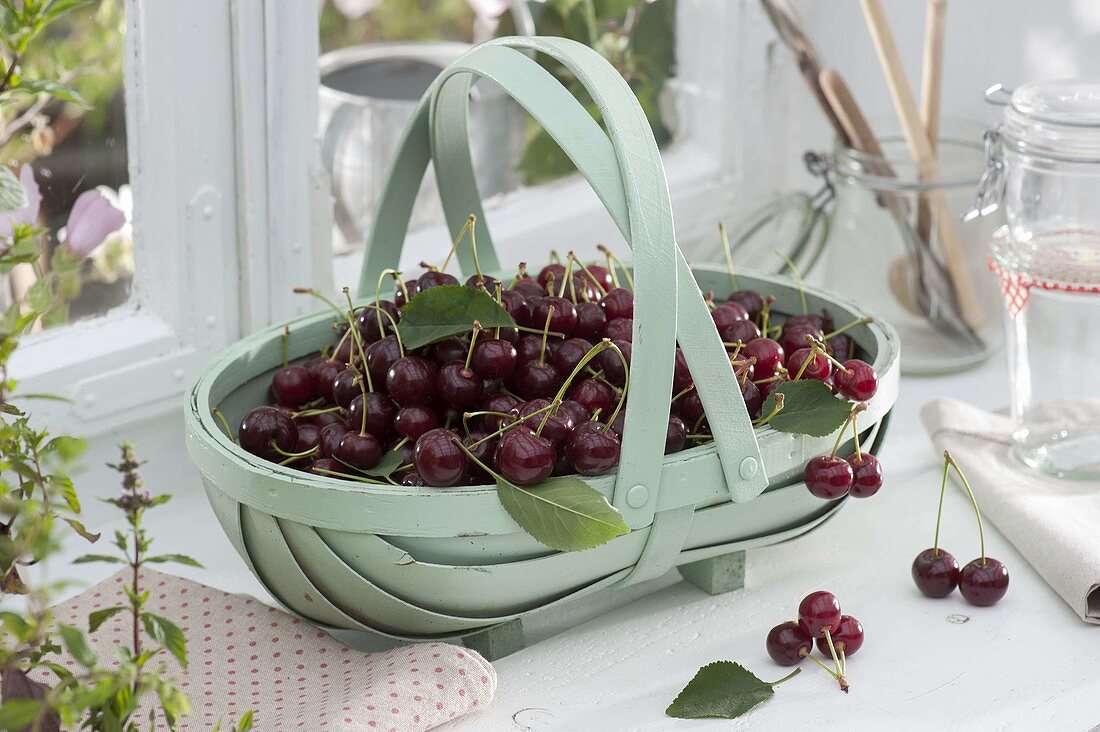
(64, 137)
(380, 56)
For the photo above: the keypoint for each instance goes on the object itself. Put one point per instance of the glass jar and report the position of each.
(870, 252)
(1046, 172)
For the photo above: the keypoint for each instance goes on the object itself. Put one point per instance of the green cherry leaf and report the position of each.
(721, 689)
(809, 408)
(447, 310)
(565, 514)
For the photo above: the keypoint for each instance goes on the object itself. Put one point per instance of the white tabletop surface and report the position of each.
(615, 661)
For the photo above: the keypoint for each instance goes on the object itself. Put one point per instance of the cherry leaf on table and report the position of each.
(809, 408)
(721, 689)
(447, 310)
(565, 514)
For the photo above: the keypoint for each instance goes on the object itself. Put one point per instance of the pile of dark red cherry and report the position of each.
(544, 398)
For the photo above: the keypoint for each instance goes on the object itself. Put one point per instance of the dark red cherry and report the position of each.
(525, 458)
(483, 449)
(373, 324)
(457, 386)
(590, 321)
(828, 477)
(558, 426)
(867, 475)
(379, 413)
(516, 306)
(293, 386)
(847, 637)
(528, 348)
(753, 401)
(434, 278)
(438, 458)
(750, 300)
(399, 298)
(575, 410)
(323, 370)
(331, 435)
(479, 281)
(326, 467)
(380, 356)
(675, 435)
(345, 387)
(309, 437)
(612, 366)
(553, 272)
(690, 408)
(819, 369)
(528, 288)
(601, 275)
(564, 319)
(794, 338)
(618, 303)
(817, 612)
(769, 356)
(494, 358)
(681, 376)
(809, 319)
(359, 451)
(323, 420)
(727, 314)
(266, 428)
(620, 329)
(787, 644)
(936, 573)
(840, 347)
(739, 330)
(412, 478)
(593, 450)
(983, 581)
(569, 353)
(411, 380)
(533, 380)
(415, 420)
(593, 394)
(450, 349)
(856, 381)
(501, 403)
(346, 348)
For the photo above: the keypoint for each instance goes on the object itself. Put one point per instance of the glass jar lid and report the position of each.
(1055, 119)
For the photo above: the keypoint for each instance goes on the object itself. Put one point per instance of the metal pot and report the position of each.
(368, 93)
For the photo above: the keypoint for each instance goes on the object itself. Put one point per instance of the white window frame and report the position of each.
(720, 65)
(225, 208)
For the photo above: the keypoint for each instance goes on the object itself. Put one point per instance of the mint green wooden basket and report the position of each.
(430, 563)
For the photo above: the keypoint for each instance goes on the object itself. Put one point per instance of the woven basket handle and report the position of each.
(624, 168)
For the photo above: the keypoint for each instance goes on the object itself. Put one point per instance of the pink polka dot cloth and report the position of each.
(245, 655)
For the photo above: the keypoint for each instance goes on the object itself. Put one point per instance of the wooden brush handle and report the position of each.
(930, 93)
(921, 149)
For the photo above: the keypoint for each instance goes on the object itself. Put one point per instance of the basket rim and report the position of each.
(207, 441)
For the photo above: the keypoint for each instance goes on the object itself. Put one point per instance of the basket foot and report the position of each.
(498, 641)
(718, 574)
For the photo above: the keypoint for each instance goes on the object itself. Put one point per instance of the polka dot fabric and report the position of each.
(245, 655)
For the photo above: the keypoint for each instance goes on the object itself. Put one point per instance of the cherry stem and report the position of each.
(545, 331)
(734, 344)
(473, 457)
(505, 428)
(766, 315)
(314, 412)
(224, 423)
(789, 676)
(683, 391)
(473, 247)
(378, 293)
(821, 663)
(521, 274)
(840, 434)
(396, 332)
(939, 510)
(473, 340)
(313, 293)
(973, 500)
(729, 255)
(843, 662)
(555, 258)
(846, 328)
(610, 266)
(458, 240)
(286, 341)
(599, 285)
(539, 331)
(551, 284)
(291, 455)
(626, 382)
(797, 278)
(836, 661)
(775, 410)
(855, 436)
(349, 476)
(363, 390)
(567, 279)
(356, 335)
(500, 301)
(592, 353)
(815, 351)
(612, 258)
(824, 352)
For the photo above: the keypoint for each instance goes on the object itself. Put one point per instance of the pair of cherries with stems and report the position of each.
(982, 582)
(858, 475)
(820, 620)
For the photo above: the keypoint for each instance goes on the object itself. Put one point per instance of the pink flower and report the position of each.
(490, 9)
(29, 213)
(94, 217)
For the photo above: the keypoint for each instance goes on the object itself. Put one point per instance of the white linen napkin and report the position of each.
(244, 655)
(1052, 522)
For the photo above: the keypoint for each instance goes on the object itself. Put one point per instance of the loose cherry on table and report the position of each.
(982, 582)
(819, 617)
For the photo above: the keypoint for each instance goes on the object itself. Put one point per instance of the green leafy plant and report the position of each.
(722, 689)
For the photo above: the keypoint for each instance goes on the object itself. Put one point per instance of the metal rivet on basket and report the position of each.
(637, 496)
(748, 468)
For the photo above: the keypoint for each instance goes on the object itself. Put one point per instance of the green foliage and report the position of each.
(448, 310)
(721, 689)
(809, 408)
(565, 514)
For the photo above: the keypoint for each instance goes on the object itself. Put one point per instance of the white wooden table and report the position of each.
(614, 662)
